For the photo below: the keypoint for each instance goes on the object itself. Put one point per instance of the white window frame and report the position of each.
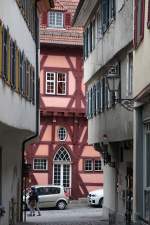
(41, 168)
(94, 165)
(129, 76)
(62, 163)
(61, 82)
(51, 81)
(88, 170)
(55, 83)
(55, 25)
(66, 133)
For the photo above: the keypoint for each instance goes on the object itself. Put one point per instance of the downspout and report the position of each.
(37, 105)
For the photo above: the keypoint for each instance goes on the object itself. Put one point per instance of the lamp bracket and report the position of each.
(128, 104)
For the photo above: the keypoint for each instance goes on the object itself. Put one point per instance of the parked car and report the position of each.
(96, 198)
(50, 196)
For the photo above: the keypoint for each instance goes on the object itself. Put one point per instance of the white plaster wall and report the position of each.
(11, 173)
(141, 66)
(109, 190)
(117, 122)
(14, 110)
(118, 35)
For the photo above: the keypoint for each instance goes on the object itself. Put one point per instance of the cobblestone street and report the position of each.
(75, 214)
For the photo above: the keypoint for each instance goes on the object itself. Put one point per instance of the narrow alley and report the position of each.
(77, 213)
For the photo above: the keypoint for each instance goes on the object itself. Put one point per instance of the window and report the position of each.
(92, 165)
(40, 164)
(97, 165)
(61, 84)
(89, 39)
(129, 73)
(27, 9)
(62, 133)
(88, 165)
(50, 83)
(98, 25)
(48, 190)
(56, 83)
(62, 168)
(15, 68)
(139, 14)
(55, 19)
(108, 13)
(62, 154)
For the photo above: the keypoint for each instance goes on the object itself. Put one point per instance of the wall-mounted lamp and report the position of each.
(105, 153)
(113, 79)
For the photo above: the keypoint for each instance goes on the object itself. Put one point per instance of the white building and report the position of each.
(108, 34)
(141, 93)
(18, 95)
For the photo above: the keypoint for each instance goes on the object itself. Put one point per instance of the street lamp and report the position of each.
(113, 79)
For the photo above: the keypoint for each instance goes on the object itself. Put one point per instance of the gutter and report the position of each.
(37, 107)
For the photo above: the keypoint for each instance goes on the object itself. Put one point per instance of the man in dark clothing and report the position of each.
(33, 202)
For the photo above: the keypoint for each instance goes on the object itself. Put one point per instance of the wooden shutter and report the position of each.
(27, 79)
(84, 45)
(14, 66)
(94, 100)
(33, 86)
(102, 95)
(105, 15)
(148, 18)
(106, 94)
(44, 19)
(1, 40)
(4, 53)
(20, 71)
(112, 9)
(98, 93)
(8, 58)
(139, 17)
(17, 69)
(67, 20)
(87, 102)
(90, 37)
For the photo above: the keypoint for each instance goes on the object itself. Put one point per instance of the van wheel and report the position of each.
(101, 202)
(61, 205)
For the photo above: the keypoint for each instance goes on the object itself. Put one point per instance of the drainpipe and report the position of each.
(37, 104)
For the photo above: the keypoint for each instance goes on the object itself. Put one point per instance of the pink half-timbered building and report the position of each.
(63, 156)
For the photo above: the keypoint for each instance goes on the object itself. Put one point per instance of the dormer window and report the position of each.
(55, 19)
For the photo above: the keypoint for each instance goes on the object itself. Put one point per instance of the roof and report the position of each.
(69, 35)
(44, 5)
(77, 10)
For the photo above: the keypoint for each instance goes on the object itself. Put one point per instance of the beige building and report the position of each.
(108, 59)
(19, 63)
(141, 93)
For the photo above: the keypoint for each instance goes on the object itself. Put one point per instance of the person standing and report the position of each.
(34, 202)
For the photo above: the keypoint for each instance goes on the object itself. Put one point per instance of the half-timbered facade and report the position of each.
(19, 62)
(63, 155)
